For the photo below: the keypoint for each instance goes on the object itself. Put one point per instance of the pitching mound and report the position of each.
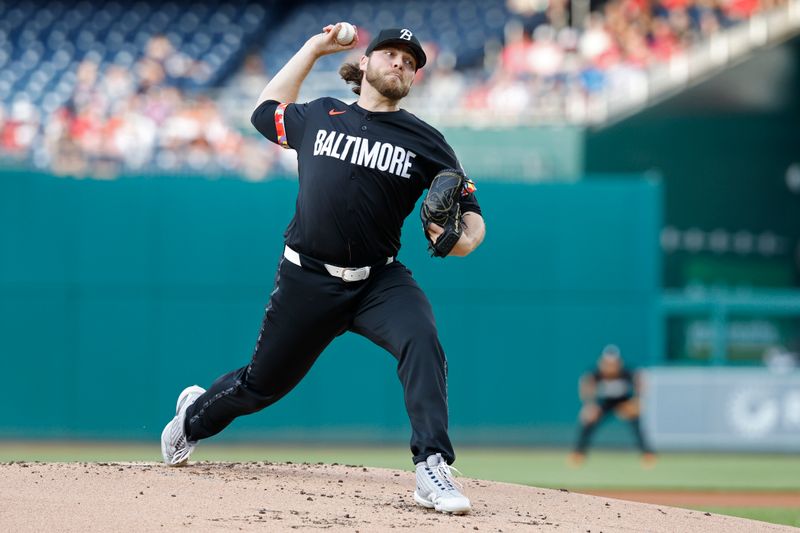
(262, 497)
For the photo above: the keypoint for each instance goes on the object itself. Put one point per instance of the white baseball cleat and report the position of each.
(175, 448)
(436, 488)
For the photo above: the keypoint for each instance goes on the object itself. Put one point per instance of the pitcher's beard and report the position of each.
(394, 90)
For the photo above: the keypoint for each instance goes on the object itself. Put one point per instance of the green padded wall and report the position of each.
(115, 295)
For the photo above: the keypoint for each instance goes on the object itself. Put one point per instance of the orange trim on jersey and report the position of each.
(280, 127)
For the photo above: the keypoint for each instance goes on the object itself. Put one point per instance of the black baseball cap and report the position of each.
(402, 36)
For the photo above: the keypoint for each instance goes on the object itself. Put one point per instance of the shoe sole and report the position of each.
(430, 505)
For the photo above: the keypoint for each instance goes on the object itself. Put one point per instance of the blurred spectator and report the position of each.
(241, 93)
(546, 56)
(20, 128)
(162, 62)
(529, 13)
(663, 42)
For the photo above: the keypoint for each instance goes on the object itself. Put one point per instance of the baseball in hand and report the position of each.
(346, 34)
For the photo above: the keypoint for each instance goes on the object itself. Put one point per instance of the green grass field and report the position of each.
(777, 515)
(542, 468)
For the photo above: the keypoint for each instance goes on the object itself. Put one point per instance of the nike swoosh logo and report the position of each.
(333, 112)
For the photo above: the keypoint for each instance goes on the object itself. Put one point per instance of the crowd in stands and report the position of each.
(136, 121)
(550, 70)
(142, 119)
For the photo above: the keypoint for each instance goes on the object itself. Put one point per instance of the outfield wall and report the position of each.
(115, 295)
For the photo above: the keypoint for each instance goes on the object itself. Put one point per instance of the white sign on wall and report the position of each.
(722, 409)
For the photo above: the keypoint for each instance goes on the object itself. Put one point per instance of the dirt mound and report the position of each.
(284, 497)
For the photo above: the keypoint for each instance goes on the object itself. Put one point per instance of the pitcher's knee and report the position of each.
(422, 338)
(427, 358)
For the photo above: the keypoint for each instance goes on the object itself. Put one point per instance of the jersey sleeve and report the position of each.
(283, 124)
(469, 202)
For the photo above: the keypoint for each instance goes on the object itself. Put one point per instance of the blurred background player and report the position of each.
(609, 388)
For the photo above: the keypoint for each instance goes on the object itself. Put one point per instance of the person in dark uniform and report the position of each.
(610, 388)
(361, 168)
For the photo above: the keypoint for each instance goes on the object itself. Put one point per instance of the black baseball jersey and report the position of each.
(360, 173)
(619, 387)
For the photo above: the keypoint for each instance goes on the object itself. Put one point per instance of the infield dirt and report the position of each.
(307, 497)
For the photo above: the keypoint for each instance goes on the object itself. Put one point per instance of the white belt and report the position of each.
(347, 274)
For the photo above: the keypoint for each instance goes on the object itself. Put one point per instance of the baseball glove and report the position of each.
(441, 207)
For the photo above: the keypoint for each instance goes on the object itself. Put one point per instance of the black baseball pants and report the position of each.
(307, 309)
(607, 407)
